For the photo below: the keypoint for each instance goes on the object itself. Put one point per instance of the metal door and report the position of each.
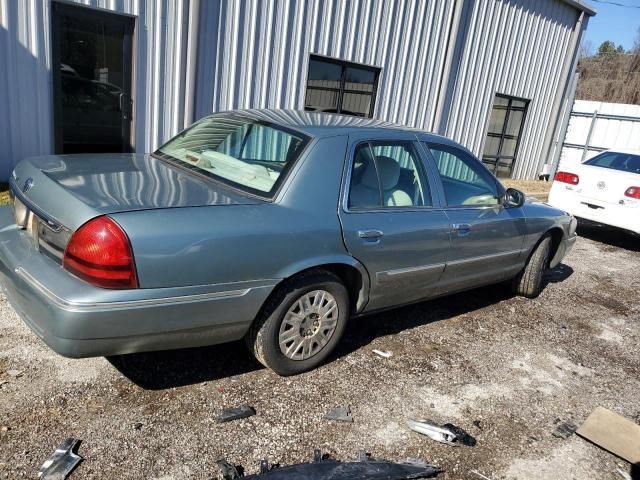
(91, 54)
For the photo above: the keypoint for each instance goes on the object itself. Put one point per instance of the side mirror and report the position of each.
(513, 198)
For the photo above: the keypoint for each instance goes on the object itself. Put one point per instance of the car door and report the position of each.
(390, 221)
(486, 238)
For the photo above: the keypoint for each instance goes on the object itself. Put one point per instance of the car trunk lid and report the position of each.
(603, 186)
(71, 189)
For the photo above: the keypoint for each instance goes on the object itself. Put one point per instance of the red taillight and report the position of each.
(566, 177)
(633, 192)
(100, 253)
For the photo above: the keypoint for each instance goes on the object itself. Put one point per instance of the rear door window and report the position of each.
(387, 175)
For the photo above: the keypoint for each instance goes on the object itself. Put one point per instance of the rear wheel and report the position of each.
(301, 323)
(530, 281)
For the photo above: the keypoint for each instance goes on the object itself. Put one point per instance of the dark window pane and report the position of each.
(330, 73)
(322, 100)
(496, 121)
(491, 146)
(338, 87)
(508, 147)
(518, 104)
(356, 104)
(359, 80)
(501, 101)
(516, 118)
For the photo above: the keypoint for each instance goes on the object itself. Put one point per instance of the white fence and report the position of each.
(597, 126)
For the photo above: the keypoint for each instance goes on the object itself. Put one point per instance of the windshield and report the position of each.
(625, 162)
(239, 151)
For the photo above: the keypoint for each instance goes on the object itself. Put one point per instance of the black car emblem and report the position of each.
(28, 184)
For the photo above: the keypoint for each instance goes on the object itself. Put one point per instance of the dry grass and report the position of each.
(4, 194)
(531, 187)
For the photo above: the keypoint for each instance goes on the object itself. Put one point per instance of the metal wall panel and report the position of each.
(518, 48)
(160, 55)
(255, 54)
(614, 125)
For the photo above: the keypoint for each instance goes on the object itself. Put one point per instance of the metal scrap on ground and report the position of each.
(327, 468)
(62, 462)
(447, 433)
(382, 354)
(565, 430)
(340, 414)
(229, 414)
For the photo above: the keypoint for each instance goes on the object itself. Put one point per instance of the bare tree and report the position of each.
(611, 76)
(586, 49)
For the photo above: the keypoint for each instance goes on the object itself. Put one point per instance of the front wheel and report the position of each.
(529, 282)
(301, 323)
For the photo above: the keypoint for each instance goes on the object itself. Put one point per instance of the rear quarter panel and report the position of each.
(235, 243)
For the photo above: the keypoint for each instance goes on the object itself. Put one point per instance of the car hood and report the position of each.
(73, 188)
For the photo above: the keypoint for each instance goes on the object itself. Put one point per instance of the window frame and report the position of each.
(503, 135)
(344, 64)
(269, 196)
(500, 189)
(422, 170)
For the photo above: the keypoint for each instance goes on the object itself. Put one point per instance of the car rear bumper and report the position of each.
(78, 320)
(626, 217)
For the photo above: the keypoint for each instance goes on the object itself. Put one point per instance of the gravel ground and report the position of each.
(506, 369)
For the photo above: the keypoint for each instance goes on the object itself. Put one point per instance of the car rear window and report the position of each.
(239, 151)
(625, 162)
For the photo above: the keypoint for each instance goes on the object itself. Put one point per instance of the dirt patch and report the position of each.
(506, 369)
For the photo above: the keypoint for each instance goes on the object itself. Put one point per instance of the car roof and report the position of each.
(628, 151)
(324, 124)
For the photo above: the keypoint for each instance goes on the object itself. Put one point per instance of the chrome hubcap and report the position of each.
(308, 325)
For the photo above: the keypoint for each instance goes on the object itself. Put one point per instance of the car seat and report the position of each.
(364, 192)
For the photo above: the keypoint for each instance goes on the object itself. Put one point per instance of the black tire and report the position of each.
(262, 338)
(530, 281)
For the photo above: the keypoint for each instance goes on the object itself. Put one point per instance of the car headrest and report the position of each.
(389, 173)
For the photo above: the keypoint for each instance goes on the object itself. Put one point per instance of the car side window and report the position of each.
(466, 182)
(386, 175)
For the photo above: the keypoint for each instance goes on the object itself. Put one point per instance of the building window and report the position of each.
(341, 87)
(503, 134)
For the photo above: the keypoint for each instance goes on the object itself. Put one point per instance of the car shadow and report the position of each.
(558, 274)
(609, 236)
(177, 368)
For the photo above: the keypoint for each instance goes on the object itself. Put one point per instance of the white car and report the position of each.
(605, 189)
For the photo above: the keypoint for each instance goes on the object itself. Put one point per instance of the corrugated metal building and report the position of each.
(104, 75)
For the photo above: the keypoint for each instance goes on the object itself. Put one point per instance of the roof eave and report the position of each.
(582, 6)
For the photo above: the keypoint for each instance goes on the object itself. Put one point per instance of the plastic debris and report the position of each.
(340, 414)
(447, 433)
(14, 373)
(324, 468)
(62, 462)
(565, 430)
(382, 354)
(229, 414)
(230, 472)
(475, 472)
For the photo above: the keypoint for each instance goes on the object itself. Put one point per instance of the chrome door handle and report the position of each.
(370, 234)
(461, 229)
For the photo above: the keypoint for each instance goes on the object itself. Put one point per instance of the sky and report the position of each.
(618, 24)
